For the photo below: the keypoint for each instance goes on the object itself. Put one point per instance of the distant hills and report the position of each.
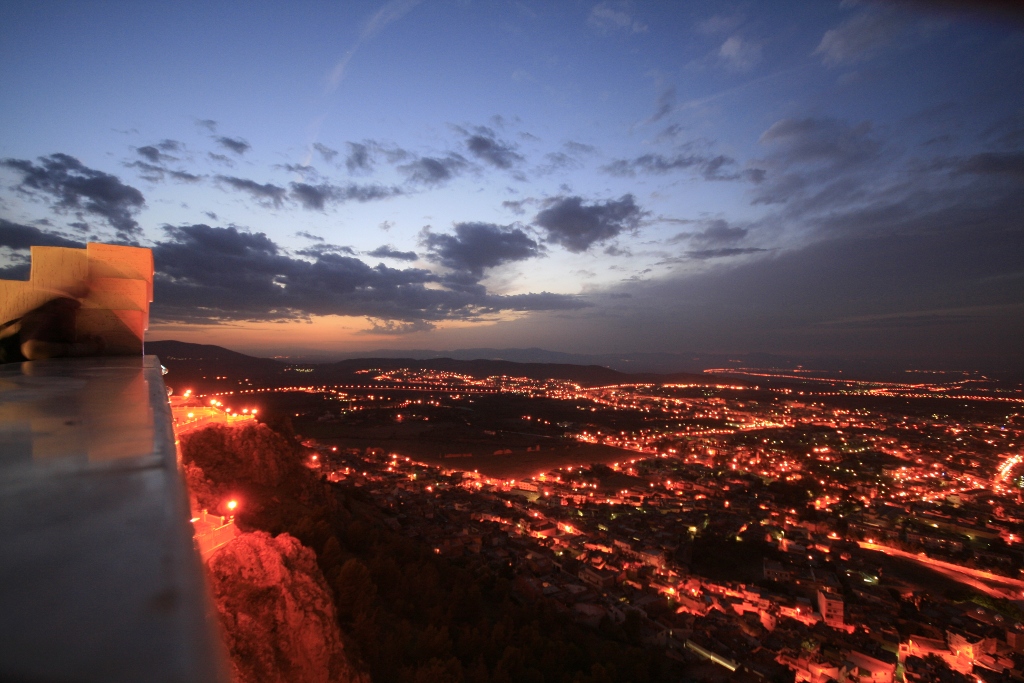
(623, 362)
(848, 366)
(196, 362)
(199, 364)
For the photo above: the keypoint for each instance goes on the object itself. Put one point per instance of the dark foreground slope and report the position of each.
(407, 614)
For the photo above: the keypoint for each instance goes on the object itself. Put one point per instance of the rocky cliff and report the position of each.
(276, 609)
(250, 453)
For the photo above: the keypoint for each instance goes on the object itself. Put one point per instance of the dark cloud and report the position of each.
(236, 145)
(170, 145)
(671, 133)
(155, 173)
(266, 193)
(484, 144)
(434, 170)
(15, 271)
(20, 237)
(75, 187)
(571, 156)
(1006, 132)
(807, 154)
(326, 152)
(301, 169)
(317, 250)
(309, 236)
(476, 246)
(933, 298)
(755, 175)
(388, 251)
(151, 172)
(718, 232)
(1009, 164)
(313, 196)
(227, 161)
(889, 259)
(316, 197)
(153, 154)
(666, 103)
(208, 124)
(722, 252)
(208, 274)
(576, 226)
(718, 167)
(517, 206)
(359, 158)
(822, 140)
(541, 301)
(184, 176)
(557, 161)
(210, 214)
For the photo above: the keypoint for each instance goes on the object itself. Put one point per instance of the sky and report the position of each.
(801, 178)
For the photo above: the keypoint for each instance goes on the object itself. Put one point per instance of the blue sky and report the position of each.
(806, 178)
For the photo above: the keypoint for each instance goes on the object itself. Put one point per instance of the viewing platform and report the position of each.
(100, 579)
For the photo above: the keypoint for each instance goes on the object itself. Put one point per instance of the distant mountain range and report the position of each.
(623, 362)
(197, 362)
(601, 368)
(631, 362)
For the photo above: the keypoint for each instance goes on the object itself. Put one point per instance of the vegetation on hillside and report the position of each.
(408, 614)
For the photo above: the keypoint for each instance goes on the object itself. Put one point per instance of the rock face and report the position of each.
(277, 613)
(253, 452)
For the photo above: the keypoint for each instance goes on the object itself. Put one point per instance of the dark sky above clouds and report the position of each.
(802, 178)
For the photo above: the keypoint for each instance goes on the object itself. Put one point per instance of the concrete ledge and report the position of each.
(99, 577)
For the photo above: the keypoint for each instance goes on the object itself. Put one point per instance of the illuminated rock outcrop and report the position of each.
(280, 622)
(237, 454)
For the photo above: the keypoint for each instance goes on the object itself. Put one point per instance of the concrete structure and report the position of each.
(868, 669)
(119, 285)
(601, 579)
(830, 606)
(212, 532)
(99, 577)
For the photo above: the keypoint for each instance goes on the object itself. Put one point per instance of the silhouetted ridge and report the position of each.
(186, 360)
(179, 350)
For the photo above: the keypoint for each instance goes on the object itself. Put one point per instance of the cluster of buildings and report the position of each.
(750, 528)
(631, 557)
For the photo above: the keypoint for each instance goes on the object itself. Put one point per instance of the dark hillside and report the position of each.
(200, 364)
(406, 612)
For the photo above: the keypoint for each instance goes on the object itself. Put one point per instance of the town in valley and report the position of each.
(749, 522)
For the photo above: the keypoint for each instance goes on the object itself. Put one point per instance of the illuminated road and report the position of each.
(360, 388)
(975, 578)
